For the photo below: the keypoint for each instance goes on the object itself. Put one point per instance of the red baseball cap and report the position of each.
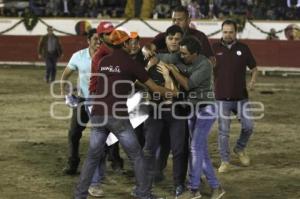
(105, 27)
(118, 37)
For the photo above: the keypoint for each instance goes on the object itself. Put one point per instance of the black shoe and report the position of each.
(71, 168)
(179, 190)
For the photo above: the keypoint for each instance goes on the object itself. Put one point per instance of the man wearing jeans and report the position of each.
(196, 79)
(81, 62)
(118, 72)
(233, 58)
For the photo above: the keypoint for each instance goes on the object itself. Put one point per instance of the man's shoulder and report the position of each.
(161, 34)
(197, 33)
(102, 50)
(204, 61)
(216, 44)
(81, 53)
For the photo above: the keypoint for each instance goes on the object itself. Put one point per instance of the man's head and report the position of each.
(174, 35)
(190, 48)
(118, 38)
(133, 44)
(93, 39)
(229, 30)
(50, 30)
(104, 29)
(180, 17)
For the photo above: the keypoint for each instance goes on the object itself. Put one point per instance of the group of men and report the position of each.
(190, 85)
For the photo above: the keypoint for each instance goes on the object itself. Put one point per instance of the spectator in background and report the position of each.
(104, 14)
(185, 3)
(194, 10)
(92, 9)
(162, 10)
(1, 8)
(272, 35)
(50, 50)
(79, 8)
(66, 7)
(52, 8)
(147, 9)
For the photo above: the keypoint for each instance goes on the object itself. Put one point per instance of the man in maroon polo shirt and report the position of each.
(233, 58)
(109, 114)
(104, 29)
(181, 17)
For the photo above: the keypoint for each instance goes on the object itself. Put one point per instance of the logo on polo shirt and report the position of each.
(239, 53)
(111, 69)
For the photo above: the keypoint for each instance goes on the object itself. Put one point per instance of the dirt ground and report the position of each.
(33, 145)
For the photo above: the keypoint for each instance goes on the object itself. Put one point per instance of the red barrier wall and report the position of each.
(267, 53)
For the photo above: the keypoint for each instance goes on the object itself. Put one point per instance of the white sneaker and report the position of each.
(96, 191)
(224, 167)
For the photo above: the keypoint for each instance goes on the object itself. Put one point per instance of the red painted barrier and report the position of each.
(267, 53)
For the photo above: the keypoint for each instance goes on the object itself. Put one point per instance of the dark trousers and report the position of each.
(162, 153)
(79, 118)
(176, 130)
(51, 61)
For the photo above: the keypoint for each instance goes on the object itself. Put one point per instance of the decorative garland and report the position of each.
(31, 20)
(262, 31)
(63, 32)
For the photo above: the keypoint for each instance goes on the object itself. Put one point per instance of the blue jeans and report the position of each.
(51, 61)
(124, 132)
(100, 169)
(199, 162)
(241, 108)
(80, 117)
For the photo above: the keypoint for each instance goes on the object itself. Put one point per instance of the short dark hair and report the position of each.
(90, 33)
(192, 44)
(172, 30)
(230, 22)
(182, 9)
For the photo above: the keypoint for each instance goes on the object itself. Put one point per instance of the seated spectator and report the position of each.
(162, 9)
(1, 8)
(52, 8)
(194, 10)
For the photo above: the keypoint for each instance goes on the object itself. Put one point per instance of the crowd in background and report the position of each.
(199, 9)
